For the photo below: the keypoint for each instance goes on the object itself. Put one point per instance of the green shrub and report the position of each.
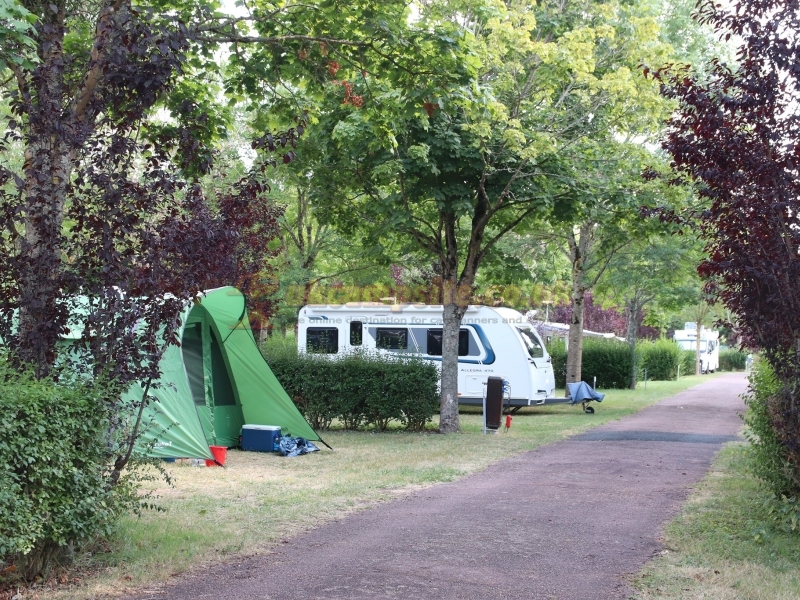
(732, 360)
(360, 389)
(279, 345)
(660, 358)
(688, 362)
(769, 458)
(54, 490)
(784, 512)
(557, 350)
(608, 360)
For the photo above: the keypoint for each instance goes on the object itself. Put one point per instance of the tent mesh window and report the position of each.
(221, 381)
(192, 348)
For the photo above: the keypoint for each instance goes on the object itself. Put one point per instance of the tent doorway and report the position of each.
(210, 380)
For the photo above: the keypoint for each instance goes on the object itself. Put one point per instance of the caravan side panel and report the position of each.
(492, 342)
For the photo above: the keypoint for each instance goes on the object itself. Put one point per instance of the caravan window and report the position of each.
(324, 340)
(395, 338)
(435, 342)
(531, 343)
(356, 337)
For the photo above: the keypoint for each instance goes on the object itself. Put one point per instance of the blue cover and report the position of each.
(583, 392)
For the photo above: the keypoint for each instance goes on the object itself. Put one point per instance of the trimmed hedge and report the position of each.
(688, 362)
(608, 360)
(732, 360)
(360, 390)
(54, 488)
(557, 350)
(660, 358)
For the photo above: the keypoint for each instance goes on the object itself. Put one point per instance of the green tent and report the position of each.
(214, 383)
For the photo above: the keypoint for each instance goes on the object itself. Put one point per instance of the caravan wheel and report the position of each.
(589, 410)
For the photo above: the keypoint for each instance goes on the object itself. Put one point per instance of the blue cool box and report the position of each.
(261, 438)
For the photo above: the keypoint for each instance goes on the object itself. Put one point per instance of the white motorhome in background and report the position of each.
(492, 342)
(709, 345)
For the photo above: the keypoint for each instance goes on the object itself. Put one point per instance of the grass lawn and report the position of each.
(721, 546)
(259, 499)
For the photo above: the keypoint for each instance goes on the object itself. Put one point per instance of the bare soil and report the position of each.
(568, 521)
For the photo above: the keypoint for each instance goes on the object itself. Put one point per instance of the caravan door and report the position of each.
(543, 381)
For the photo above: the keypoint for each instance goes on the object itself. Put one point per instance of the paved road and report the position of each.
(567, 521)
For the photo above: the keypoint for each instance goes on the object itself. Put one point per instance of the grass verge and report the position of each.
(260, 499)
(722, 545)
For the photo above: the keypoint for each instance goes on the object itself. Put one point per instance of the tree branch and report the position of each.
(271, 40)
(95, 73)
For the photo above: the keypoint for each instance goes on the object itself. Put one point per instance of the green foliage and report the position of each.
(784, 511)
(609, 361)
(17, 33)
(688, 362)
(661, 359)
(54, 491)
(359, 390)
(732, 360)
(769, 460)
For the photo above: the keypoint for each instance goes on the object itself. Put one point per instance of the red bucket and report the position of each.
(220, 453)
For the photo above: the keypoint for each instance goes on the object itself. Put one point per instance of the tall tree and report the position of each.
(458, 171)
(737, 136)
(103, 72)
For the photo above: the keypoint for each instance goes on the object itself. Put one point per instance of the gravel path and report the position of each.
(567, 521)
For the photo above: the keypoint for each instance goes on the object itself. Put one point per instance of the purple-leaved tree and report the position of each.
(737, 136)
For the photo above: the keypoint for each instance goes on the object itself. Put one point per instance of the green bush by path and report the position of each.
(54, 491)
(660, 358)
(769, 458)
(688, 362)
(359, 390)
(732, 360)
(608, 360)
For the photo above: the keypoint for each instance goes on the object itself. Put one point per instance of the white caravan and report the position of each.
(492, 342)
(709, 345)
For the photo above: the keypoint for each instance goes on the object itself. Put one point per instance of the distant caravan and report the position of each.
(495, 342)
(709, 345)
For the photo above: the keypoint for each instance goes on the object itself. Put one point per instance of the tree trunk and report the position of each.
(456, 294)
(634, 311)
(307, 291)
(47, 168)
(579, 242)
(575, 336)
(448, 409)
